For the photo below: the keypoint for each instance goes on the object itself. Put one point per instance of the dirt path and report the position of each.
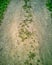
(11, 44)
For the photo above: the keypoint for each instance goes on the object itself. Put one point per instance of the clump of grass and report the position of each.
(1, 49)
(24, 34)
(27, 6)
(31, 55)
(26, 62)
(38, 60)
(30, 64)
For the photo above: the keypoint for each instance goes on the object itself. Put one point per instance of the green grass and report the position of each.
(3, 7)
(49, 5)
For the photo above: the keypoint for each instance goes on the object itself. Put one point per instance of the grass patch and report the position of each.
(3, 7)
